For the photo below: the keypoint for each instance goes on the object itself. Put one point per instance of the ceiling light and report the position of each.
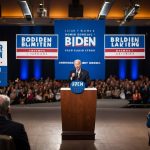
(130, 13)
(105, 9)
(41, 10)
(25, 9)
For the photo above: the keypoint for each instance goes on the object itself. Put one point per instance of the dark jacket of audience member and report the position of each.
(12, 128)
(17, 131)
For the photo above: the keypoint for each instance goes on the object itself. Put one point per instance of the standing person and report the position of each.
(79, 74)
(11, 128)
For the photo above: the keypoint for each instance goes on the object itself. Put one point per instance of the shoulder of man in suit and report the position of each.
(83, 70)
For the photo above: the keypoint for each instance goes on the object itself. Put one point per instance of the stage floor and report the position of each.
(117, 128)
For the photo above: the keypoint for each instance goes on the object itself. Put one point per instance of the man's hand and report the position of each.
(73, 75)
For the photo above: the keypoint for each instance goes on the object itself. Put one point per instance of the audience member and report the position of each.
(11, 128)
(136, 97)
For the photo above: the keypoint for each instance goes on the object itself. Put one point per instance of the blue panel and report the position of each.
(122, 63)
(24, 68)
(134, 70)
(37, 63)
(122, 69)
(134, 63)
(3, 63)
(3, 69)
(3, 82)
(75, 43)
(37, 69)
(24, 74)
(3, 76)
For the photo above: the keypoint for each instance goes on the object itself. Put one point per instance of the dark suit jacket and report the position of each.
(17, 131)
(84, 76)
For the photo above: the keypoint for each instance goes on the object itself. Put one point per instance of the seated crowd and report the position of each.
(48, 90)
(22, 92)
(137, 91)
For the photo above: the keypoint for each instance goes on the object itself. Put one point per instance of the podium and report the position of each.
(78, 113)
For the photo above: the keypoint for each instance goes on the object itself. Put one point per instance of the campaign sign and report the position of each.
(84, 40)
(36, 46)
(77, 87)
(124, 46)
(3, 63)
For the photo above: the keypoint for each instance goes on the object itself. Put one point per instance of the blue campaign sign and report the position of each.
(84, 40)
(124, 46)
(124, 41)
(36, 41)
(36, 46)
(77, 87)
(3, 62)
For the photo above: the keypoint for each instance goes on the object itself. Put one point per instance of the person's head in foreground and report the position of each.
(4, 105)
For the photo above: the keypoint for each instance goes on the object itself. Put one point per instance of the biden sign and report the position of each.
(84, 40)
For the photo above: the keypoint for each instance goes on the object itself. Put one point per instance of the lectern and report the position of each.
(78, 113)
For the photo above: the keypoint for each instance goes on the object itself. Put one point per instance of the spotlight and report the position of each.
(41, 10)
(130, 13)
(105, 9)
(25, 9)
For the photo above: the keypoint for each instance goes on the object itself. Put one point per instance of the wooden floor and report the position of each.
(117, 128)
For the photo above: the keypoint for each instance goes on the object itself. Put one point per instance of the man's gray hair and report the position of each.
(4, 104)
(77, 60)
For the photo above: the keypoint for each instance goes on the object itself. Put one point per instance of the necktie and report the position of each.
(77, 74)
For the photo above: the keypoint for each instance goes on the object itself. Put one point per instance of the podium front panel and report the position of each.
(78, 111)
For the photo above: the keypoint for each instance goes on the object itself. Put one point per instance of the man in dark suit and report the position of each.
(79, 74)
(12, 128)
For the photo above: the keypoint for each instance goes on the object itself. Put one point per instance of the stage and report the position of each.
(117, 127)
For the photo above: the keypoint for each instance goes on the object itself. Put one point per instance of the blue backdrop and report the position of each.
(84, 40)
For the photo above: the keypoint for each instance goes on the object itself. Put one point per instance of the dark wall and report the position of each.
(8, 33)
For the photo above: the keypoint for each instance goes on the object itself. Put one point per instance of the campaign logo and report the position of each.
(77, 87)
(80, 41)
(36, 46)
(80, 38)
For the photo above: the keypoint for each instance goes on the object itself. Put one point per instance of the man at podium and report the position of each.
(79, 74)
